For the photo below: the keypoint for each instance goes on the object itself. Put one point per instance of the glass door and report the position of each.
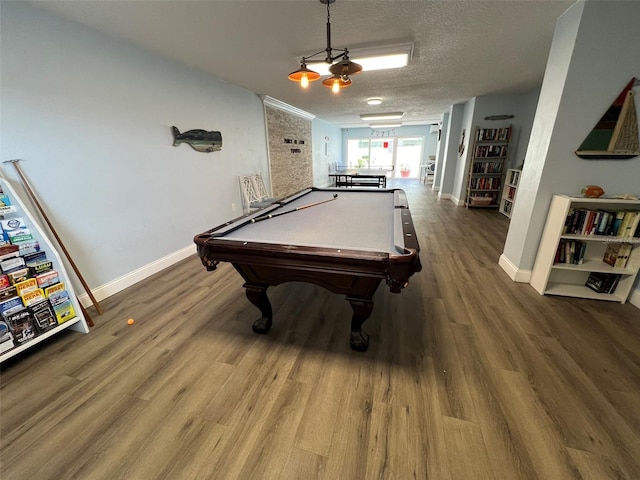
(408, 157)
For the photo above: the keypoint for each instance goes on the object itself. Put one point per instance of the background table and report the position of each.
(359, 178)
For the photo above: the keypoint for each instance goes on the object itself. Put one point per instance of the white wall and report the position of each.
(459, 189)
(444, 133)
(327, 150)
(521, 106)
(451, 155)
(584, 76)
(91, 118)
(594, 53)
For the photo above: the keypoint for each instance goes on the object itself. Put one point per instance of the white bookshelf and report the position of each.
(566, 279)
(509, 191)
(77, 323)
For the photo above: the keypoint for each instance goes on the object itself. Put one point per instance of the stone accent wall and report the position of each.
(291, 162)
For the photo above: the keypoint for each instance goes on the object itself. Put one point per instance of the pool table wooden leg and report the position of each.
(258, 296)
(362, 309)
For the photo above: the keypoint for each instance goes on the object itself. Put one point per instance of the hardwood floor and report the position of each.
(468, 376)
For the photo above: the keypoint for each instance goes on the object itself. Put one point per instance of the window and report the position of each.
(390, 153)
(370, 153)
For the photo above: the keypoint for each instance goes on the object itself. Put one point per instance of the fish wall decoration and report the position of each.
(199, 140)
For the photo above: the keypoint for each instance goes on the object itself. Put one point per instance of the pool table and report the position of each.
(345, 241)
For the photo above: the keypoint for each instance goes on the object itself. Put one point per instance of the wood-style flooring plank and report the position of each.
(468, 376)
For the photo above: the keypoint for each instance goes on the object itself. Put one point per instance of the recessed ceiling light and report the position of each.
(382, 116)
(374, 101)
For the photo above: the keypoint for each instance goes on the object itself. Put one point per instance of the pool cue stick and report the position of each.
(85, 313)
(266, 217)
(27, 187)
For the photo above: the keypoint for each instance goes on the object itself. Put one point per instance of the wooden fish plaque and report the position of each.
(200, 140)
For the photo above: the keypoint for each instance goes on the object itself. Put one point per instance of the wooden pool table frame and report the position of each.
(355, 273)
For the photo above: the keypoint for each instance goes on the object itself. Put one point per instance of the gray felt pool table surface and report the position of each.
(357, 220)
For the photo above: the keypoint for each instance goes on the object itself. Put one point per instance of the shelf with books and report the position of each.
(509, 191)
(486, 169)
(37, 300)
(609, 253)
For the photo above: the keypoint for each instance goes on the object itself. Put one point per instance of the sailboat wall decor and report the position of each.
(615, 136)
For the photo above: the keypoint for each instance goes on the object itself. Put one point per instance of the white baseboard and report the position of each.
(520, 276)
(523, 276)
(444, 196)
(119, 284)
(457, 201)
(634, 298)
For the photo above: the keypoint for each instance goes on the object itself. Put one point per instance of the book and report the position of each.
(18, 276)
(12, 264)
(6, 338)
(53, 289)
(32, 296)
(617, 222)
(9, 251)
(34, 257)
(21, 324)
(633, 225)
(583, 250)
(13, 225)
(611, 254)
(36, 268)
(7, 293)
(18, 238)
(623, 255)
(64, 311)
(595, 281)
(10, 304)
(31, 246)
(26, 286)
(602, 282)
(58, 297)
(47, 279)
(612, 287)
(602, 225)
(43, 315)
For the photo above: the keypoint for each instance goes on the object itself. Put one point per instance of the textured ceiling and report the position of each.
(462, 49)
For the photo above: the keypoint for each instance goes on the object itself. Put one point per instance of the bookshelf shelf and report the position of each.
(551, 276)
(9, 344)
(509, 191)
(488, 156)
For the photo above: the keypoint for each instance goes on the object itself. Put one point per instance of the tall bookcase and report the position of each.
(509, 191)
(570, 223)
(71, 318)
(486, 168)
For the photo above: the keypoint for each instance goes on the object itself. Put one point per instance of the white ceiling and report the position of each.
(462, 49)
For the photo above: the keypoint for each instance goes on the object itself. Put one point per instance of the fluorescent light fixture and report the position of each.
(382, 116)
(374, 101)
(383, 62)
(386, 125)
(373, 58)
